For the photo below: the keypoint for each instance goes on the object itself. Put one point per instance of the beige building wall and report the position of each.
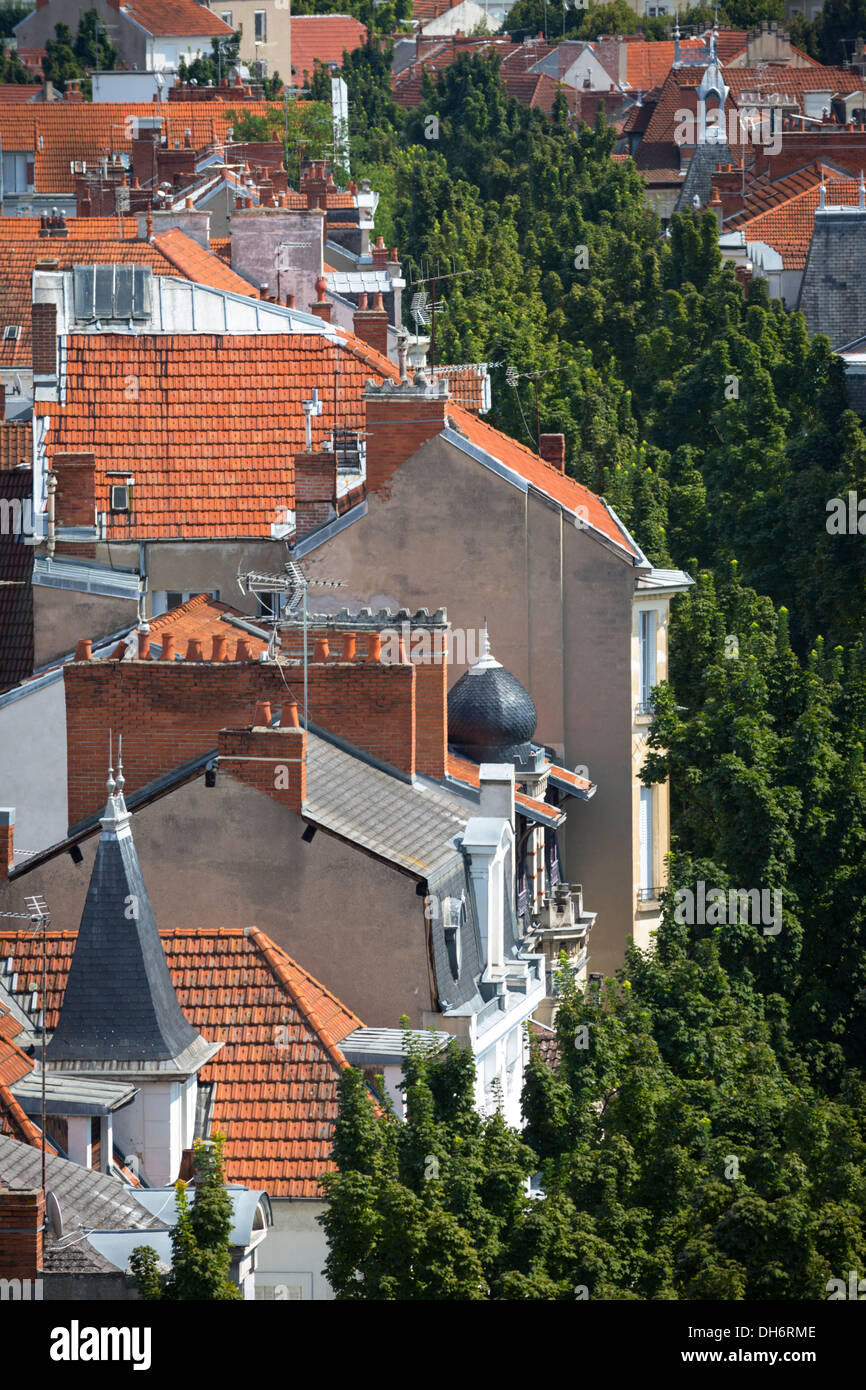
(275, 48)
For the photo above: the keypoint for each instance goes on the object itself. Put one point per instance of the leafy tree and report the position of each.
(201, 1257)
(305, 129)
(69, 59)
(11, 67)
(11, 15)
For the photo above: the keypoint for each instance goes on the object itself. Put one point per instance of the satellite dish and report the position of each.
(53, 1214)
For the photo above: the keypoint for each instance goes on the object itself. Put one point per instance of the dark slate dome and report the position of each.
(491, 718)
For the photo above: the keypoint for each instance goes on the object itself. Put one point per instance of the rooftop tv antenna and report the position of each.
(419, 301)
(294, 584)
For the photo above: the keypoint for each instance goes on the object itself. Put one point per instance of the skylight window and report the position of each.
(112, 292)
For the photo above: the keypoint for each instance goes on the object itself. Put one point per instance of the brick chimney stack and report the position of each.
(371, 323)
(7, 840)
(401, 416)
(551, 447)
(22, 1216)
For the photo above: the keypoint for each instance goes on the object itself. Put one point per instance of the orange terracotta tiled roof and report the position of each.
(212, 434)
(94, 240)
(788, 228)
(203, 617)
(16, 444)
(15, 1124)
(278, 1071)
(176, 18)
(764, 195)
(20, 92)
(536, 89)
(194, 263)
(323, 36)
(465, 384)
(679, 93)
(58, 134)
(14, 1064)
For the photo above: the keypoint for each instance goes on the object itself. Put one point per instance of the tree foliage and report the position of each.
(201, 1256)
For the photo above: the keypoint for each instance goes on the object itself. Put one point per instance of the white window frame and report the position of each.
(260, 16)
(648, 656)
(646, 837)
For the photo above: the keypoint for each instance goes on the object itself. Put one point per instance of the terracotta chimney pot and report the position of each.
(374, 647)
(348, 646)
(168, 646)
(193, 649)
(83, 650)
(262, 716)
(292, 720)
(243, 650)
(218, 648)
(321, 650)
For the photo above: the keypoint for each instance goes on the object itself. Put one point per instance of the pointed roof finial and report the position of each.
(110, 784)
(116, 816)
(862, 202)
(487, 661)
(121, 780)
(821, 203)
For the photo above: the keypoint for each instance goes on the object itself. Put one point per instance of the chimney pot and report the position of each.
(374, 647)
(143, 646)
(262, 716)
(321, 650)
(292, 722)
(168, 646)
(218, 649)
(243, 650)
(83, 650)
(193, 649)
(189, 204)
(348, 646)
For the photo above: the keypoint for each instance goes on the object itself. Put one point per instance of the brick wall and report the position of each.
(7, 840)
(171, 712)
(371, 325)
(21, 1218)
(271, 760)
(431, 686)
(75, 499)
(315, 490)
(44, 319)
(398, 423)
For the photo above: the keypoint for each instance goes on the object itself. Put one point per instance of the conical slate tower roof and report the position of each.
(120, 1011)
(491, 718)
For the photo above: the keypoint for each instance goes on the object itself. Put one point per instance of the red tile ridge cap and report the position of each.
(32, 1133)
(173, 614)
(280, 963)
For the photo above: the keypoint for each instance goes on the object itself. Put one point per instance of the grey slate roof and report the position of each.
(87, 1201)
(70, 1093)
(359, 281)
(699, 177)
(833, 289)
(120, 1011)
(413, 825)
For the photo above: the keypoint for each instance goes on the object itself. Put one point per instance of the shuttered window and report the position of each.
(646, 839)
